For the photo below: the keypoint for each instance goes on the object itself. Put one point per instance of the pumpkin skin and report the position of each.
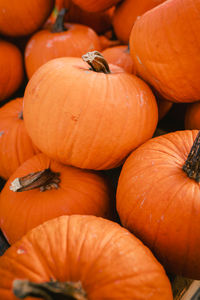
(159, 203)
(75, 41)
(108, 260)
(79, 192)
(118, 113)
(126, 14)
(12, 72)
(170, 60)
(163, 107)
(23, 19)
(120, 56)
(15, 144)
(192, 116)
(95, 6)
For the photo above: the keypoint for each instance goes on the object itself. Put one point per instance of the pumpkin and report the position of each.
(126, 14)
(95, 6)
(169, 58)
(12, 72)
(192, 116)
(61, 40)
(120, 56)
(15, 144)
(88, 118)
(163, 107)
(107, 42)
(158, 199)
(23, 19)
(81, 257)
(42, 189)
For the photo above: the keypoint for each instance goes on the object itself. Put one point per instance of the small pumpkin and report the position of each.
(192, 116)
(103, 112)
(120, 56)
(81, 258)
(23, 19)
(163, 107)
(12, 71)
(42, 189)
(158, 199)
(169, 58)
(95, 6)
(60, 40)
(15, 144)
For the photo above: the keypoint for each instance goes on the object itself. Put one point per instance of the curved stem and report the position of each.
(45, 180)
(58, 26)
(52, 290)
(97, 62)
(192, 164)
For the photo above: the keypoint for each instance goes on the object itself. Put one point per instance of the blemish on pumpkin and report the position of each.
(142, 100)
(138, 59)
(49, 44)
(20, 251)
(1, 133)
(74, 118)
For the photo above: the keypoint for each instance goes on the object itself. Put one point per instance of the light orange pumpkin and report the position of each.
(81, 258)
(42, 189)
(12, 72)
(164, 44)
(88, 118)
(158, 199)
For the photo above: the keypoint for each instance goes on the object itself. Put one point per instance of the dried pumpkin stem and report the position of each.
(97, 62)
(58, 26)
(52, 290)
(45, 180)
(192, 164)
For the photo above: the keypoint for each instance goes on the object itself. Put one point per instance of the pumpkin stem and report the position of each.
(58, 26)
(192, 164)
(45, 180)
(20, 115)
(52, 290)
(97, 62)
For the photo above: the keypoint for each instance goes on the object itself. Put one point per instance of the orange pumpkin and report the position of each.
(107, 42)
(23, 19)
(192, 116)
(12, 72)
(95, 6)
(89, 118)
(15, 144)
(126, 14)
(42, 189)
(164, 44)
(81, 257)
(120, 56)
(61, 40)
(158, 199)
(163, 107)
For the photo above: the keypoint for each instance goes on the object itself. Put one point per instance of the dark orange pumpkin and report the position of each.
(88, 118)
(61, 40)
(158, 199)
(24, 18)
(164, 44)
(120, 56)
(163, 107)
(12, 72)
(81, 258)
(15, 144)
(49, 190)
(192, 116)
(94, 5)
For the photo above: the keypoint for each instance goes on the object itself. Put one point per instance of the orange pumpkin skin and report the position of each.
(163, 107)
(79, 192)
(126, 14)
(192, 116)
(108, 260)
(23, 19)
(170, 60)
(77, 40)
(101, 117)
(95, 6)
(15, 144)
(12, 72)
(119, 56)
(160, 204)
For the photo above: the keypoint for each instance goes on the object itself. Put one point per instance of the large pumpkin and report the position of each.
(84, 257)
(15, 144)
(164, 44)
(60, 40)
(95, 6)
(158, 199)
(89, 118)
(12, 72)
(42, 189)
(24, 18)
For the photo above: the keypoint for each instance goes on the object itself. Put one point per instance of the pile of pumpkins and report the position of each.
(97, 202)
